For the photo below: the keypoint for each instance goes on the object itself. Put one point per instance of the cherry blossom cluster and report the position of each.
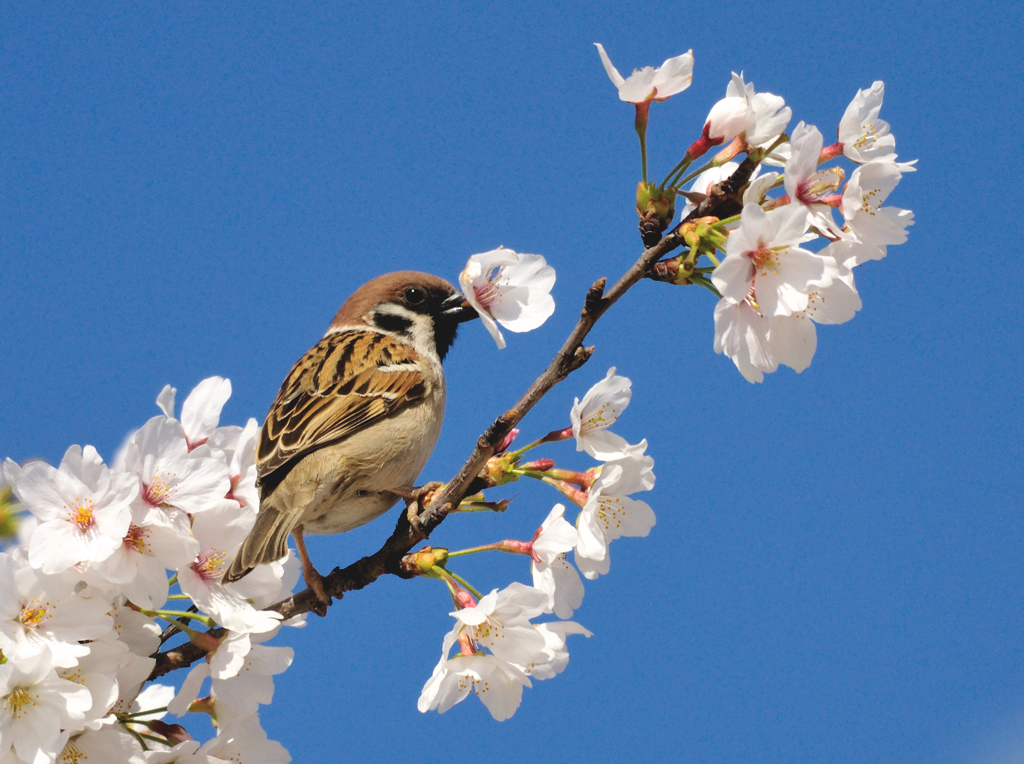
(773, 284)
(500, 651)
(116, 561)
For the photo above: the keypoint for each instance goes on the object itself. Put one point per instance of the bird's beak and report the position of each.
(458, 309)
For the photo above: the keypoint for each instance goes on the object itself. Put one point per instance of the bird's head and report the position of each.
(419, 308)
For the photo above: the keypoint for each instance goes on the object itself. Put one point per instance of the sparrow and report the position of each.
(355, 420)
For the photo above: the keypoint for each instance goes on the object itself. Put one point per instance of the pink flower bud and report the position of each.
(540, 465)
(507, 441)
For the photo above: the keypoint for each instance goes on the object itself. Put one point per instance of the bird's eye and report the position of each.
(414, 295)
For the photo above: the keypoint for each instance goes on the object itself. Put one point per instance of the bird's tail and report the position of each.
(266, 542)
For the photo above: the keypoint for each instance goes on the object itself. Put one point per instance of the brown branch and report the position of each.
(388, 558)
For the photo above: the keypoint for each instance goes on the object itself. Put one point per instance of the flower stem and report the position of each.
(495, 547)
(679, 168)
(642, 114)
(552, 437)
(173, 616)
(465, 583)
(145, 713)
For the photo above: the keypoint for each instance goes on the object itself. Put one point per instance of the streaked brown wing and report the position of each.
(345, 382)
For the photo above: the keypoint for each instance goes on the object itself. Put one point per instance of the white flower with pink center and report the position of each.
(650, 83)
(610, 514)
(809, 187)
(171, 475)
(866, 137)
(600, 409)
(867, 221)
(35, 705)
(43, 615)
(500, 622)
(157, 540)
(510, 289)
(220, 532)
(82, 507)
(762, 257)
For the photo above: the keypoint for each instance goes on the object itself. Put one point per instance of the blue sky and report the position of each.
(836, 571)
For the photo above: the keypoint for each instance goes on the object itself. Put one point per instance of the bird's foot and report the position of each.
(416, 498)
(310, 574)
(315, 582)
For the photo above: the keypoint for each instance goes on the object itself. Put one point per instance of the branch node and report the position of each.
(580, 357)
(594, 300)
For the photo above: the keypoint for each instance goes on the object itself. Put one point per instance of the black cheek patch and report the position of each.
(389, 322)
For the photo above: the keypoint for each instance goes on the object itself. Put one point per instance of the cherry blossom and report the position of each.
(497, 683)
(35, 704)
(808, 186)
(510, 289)
(770, 115)
(82, 507)
(238, 446)
(864, 136)
(220, 531)
(110, 745)
(243, 740)
(599, 410)
(501, 623)
(557, 656)
(651, 84)
(762, 257)
(43, 615)
(867, 221)
(171, 475)
(610, 513)
(97, 672)
(552, 573)
(157, 539)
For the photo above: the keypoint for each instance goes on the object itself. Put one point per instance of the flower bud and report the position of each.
(507, 441)
(173, 732)
(656, 207)
(540, 465)
(422, 562)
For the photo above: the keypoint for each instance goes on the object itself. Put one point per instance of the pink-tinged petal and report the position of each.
(200, 413)
(836, 303)
(613, 73)
(806, 143)
(728, 118)
(165, 401)
(591, 569)
(734, 277)
(863, 134)
(793, 340)
(741, 333)
(592, 543)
